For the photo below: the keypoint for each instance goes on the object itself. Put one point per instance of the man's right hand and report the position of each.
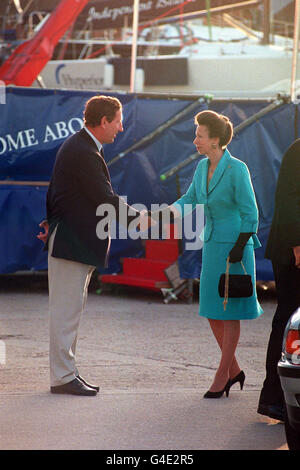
(296, 250)
(43, 235)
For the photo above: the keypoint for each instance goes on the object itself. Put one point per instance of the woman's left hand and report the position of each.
(236, 254)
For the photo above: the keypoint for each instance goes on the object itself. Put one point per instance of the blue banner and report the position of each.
(34, 123)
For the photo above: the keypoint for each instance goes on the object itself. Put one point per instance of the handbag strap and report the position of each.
(226, 289)
(226, 284)
(243, 267)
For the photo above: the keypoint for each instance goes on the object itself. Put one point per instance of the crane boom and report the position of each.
(29, 58)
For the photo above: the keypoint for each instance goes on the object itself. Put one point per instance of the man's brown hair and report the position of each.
(99, 106)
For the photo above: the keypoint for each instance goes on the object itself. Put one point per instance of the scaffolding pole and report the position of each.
(135, 26)
(295, 50)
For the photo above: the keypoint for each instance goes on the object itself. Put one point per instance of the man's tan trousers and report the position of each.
(68, 288)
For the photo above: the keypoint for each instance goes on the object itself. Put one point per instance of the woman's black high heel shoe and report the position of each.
(226, 389)
(238, 378)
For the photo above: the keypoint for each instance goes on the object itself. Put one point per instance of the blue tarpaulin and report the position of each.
(34, 123)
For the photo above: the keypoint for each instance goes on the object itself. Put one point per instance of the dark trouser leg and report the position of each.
(287, 280)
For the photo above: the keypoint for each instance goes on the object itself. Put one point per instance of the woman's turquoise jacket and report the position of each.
(229, 201)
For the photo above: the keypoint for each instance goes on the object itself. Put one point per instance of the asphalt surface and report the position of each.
(153, 363)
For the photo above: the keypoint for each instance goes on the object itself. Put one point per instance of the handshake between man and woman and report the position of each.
(81, 206)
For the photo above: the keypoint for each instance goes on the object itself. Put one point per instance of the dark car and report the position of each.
(289, 372)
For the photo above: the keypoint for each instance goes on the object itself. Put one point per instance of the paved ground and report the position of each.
(153, 363)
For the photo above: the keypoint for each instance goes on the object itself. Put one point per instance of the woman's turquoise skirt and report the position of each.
(214, 255)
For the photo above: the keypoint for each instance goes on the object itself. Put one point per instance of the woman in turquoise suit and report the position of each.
(223, 185)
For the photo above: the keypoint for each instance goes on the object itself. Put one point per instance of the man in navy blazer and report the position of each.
(79, 184)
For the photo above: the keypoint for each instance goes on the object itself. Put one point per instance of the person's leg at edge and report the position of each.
(287, 280)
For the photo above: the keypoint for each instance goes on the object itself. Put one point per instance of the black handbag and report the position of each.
(234, 285)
